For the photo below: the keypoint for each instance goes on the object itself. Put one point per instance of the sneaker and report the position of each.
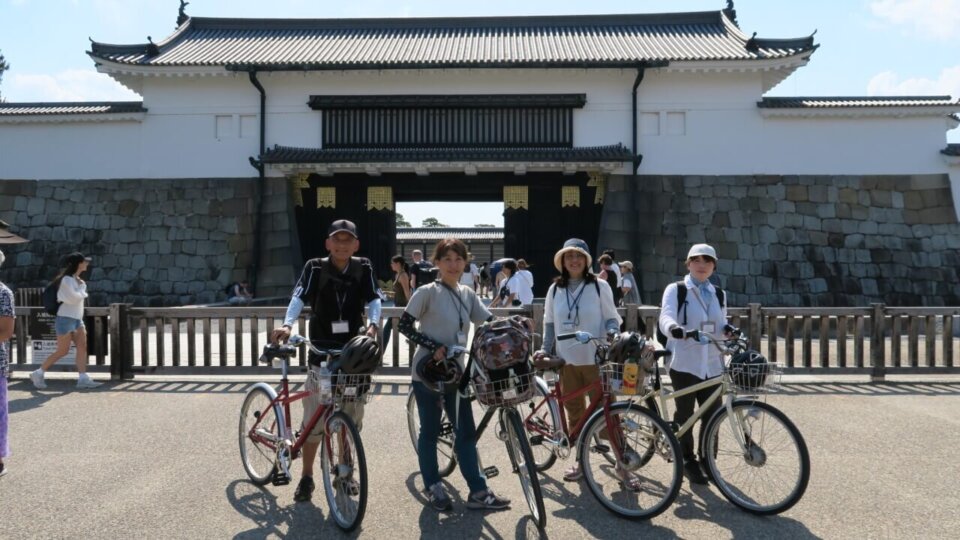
(693, 472)
(36, 377)
(3, 469)
(304, 489)
(86, 382)
(573, 474)
(438, 498)
(487, 500)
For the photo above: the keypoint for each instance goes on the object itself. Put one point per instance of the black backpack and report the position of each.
(682, 304)
(50, 303)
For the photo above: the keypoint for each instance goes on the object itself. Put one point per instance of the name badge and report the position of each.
(461, 338)
(568, 325)
(340, 327)
(708, 327)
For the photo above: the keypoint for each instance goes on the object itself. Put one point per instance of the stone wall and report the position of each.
(153, 242)
(794, 240)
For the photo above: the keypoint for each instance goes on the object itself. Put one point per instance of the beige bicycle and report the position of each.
(755, 455)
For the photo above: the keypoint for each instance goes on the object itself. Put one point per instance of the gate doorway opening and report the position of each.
(540, 211)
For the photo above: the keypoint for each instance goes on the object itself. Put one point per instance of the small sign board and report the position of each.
(43, 339)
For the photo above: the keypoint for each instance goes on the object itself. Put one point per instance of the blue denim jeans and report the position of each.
(465, 447)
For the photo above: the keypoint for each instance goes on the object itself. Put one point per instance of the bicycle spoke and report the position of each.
(344, 472)
(771, 473)
(642, 478)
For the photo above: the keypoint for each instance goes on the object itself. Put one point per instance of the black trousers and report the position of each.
(685, 405)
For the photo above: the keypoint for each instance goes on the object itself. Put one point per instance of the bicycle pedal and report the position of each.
(279, 478)
(601, 448)
(446, 429)
(490, 472)
(536, 439)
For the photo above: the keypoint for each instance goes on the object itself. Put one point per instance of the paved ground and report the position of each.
(158, 458)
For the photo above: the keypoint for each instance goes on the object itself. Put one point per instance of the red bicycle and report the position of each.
(630, 458)
(268, 445)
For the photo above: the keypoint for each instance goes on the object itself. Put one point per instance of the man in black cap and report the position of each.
(336, 287)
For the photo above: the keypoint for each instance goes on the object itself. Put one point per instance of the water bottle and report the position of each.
(325, 392)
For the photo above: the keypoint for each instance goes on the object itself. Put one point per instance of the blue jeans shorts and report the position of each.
(65, 325)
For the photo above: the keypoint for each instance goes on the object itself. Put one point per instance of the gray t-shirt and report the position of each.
(442, 313)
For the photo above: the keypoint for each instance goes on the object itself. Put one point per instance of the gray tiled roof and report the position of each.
(410, 43)
(952, 149)
(287, 154)
(71, 107)
(408, 234)
(856, 101)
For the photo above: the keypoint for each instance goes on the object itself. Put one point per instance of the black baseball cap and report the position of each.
(75, 258)
(342, 225)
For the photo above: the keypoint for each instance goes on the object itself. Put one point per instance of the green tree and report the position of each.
(485, 226)
(3, 67)
(402, 222)
(433, 222)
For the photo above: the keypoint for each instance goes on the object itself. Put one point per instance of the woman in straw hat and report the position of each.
(577, 300)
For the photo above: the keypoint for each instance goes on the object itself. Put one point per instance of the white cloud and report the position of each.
(69, 85)
(937, 19)
(888, 83)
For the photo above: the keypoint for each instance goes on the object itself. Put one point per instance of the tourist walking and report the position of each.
(68, 324)
(401, 293)
(631, 292)
(515, 290)
(421, 271)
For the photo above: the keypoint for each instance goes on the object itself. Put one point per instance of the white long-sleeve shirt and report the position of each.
(560, 310)
(72, 293)
(689, 356)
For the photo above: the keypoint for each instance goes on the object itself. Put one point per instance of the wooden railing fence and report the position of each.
(875, 340)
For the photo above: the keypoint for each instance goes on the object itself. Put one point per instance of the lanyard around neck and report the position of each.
(456, 295)
(573, 307)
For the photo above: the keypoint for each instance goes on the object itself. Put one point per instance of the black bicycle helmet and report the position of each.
(440, 375)
(625, 346)
(749, 369)
(360, 356)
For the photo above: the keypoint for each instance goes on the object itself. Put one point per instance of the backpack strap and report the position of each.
(682, 300)
(720, 296)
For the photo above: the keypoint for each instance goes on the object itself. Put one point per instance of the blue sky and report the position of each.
(868, 47)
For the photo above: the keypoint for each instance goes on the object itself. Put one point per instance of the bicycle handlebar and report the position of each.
(730, 345)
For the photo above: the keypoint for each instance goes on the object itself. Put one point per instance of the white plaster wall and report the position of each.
(724, 132)
(69, 150)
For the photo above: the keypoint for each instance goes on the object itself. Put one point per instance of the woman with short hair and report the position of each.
(445, 309)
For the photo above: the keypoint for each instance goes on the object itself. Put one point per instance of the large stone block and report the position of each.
(797, 193)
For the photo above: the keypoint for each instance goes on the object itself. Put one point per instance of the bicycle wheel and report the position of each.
(519, 450)
(540, 424)
(259, 433)
(772, 475)
(628, 487)
(344, 473)
(446, 458)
